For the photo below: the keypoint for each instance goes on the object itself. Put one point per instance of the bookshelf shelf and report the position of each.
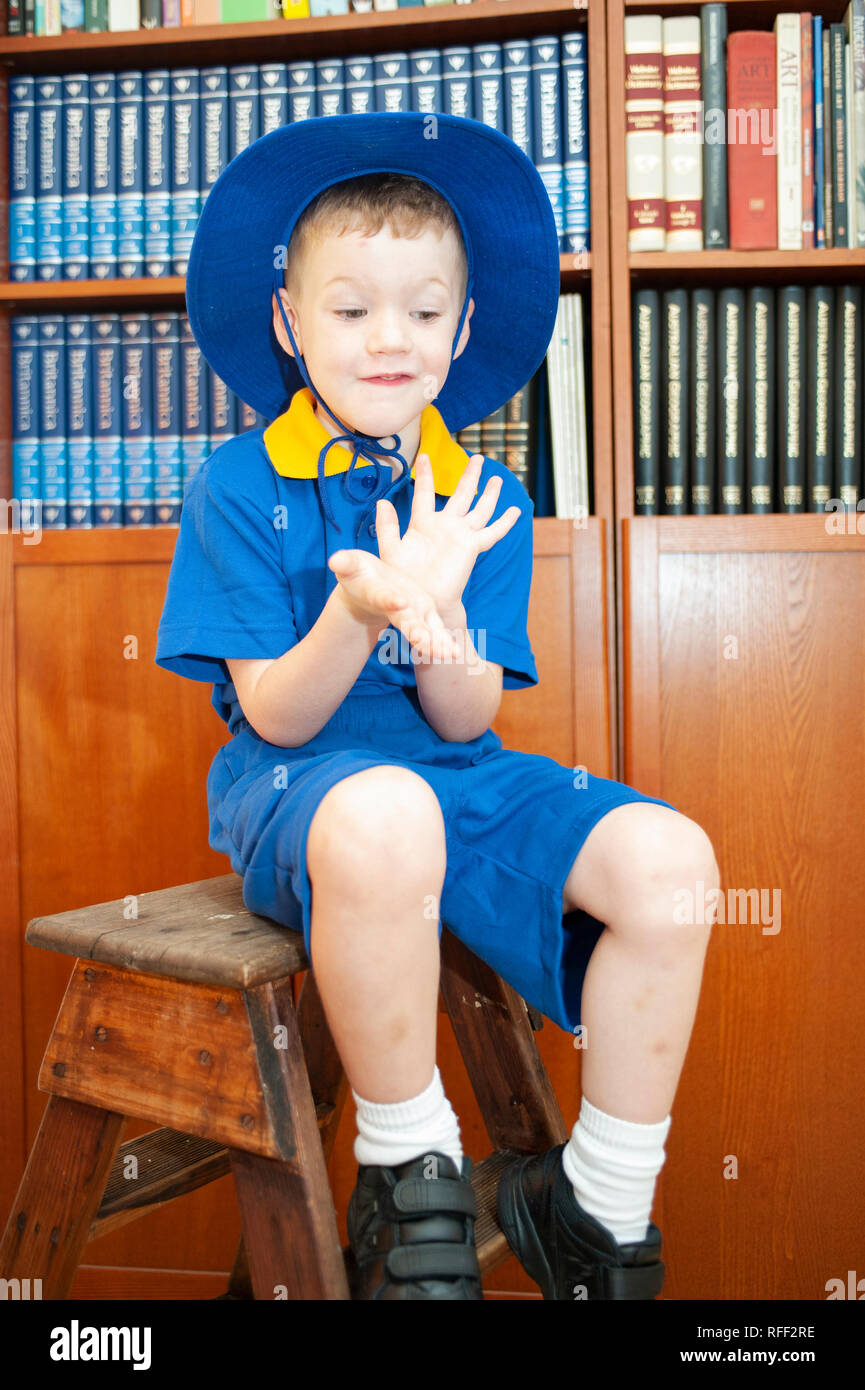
(125, 544)
(802, 532)
(46, 296)
(267, 40)
(838, 263)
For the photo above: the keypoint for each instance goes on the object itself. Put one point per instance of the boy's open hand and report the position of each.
(375, 594)
(439, 548)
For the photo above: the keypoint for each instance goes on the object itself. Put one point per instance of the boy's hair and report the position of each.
(366, 203)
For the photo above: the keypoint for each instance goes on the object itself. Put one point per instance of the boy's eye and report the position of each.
(350, 314)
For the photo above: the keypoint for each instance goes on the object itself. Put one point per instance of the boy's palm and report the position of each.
(439, 548)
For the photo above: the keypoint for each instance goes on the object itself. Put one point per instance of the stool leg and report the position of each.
(286, 1207)
(497, 1042)
(329, 1086)
(59, 1194)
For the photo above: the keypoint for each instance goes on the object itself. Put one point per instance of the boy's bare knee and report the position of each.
(380, 817)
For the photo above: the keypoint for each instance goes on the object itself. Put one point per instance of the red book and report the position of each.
(752, 152)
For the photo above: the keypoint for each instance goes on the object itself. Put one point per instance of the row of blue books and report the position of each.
(109, 171)
(113, 414)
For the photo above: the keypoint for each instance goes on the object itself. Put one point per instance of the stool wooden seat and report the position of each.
(180, 1010)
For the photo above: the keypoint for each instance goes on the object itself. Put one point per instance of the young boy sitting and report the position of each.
(356, 588)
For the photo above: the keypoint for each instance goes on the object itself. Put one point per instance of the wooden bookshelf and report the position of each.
(763, 750)
(741, 676)
(271, 40)
(123, 806)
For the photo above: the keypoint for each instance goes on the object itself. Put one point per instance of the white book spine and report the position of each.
(683, 152)
(644, 132)
(124, 14)
(788, 50)
(581, 503)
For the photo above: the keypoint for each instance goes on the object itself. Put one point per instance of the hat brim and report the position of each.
(501, 200)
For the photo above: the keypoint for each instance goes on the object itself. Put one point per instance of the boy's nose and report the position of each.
(387, 332)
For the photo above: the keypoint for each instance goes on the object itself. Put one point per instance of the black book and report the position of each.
(792, 397)
(646, 358)
(676, 423)
(702, 407)
(731, 400)
(838, 114)
(713, 50)
(848, 394)
(760, 404)
(821, 329)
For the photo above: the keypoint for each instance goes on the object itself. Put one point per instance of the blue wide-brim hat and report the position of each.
(502, 207)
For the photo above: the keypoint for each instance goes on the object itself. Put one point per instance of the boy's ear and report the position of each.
(279, 327)
(464, 335)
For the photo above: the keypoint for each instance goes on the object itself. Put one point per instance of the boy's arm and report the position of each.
(288, 699)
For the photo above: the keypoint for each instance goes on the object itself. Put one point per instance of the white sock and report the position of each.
(612, 1165)
(393, 1133)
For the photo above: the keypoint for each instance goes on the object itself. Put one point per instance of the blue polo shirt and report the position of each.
(249, 576)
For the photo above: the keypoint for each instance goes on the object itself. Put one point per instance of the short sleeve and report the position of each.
(228, 595)
(496, 597)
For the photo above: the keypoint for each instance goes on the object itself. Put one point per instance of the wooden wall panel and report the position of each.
(745, 670)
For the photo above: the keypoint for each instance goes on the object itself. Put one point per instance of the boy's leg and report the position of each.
(376, 861)
(642, 983)
(579, 1215)
(376, 858)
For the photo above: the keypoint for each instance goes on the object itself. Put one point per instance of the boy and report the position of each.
(371, 283)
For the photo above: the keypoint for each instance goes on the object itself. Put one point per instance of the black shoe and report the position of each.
(565, 1249)
(412, 1235)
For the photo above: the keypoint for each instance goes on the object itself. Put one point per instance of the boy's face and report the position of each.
(374, 307)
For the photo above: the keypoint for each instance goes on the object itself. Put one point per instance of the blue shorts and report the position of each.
(514, 824)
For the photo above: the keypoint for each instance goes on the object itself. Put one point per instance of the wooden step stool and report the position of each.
(185, 1016)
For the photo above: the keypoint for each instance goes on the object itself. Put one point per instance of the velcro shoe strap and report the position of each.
(639, 1281)
(432, 1260)
(418, 1195)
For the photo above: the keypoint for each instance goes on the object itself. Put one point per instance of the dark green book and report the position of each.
(493, 435)
(848, 394)
(760, 401)
(731, 400)
(646, 359)
(821, 329)
(702, 407)
(674, 402)
(96, 16)
(520, 454)
(469, 438)
(792, 397)
(840, 153)
(713, 57)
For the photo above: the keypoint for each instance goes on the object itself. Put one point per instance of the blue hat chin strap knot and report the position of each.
(366, 446)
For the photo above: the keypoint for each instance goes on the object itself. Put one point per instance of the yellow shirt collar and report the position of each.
(295, 439)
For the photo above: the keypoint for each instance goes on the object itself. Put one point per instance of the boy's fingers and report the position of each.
(486, 504)
(386, 524)
(424, 487)
(461, 498)
(497, 529)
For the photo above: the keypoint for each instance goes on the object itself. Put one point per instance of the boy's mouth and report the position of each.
(390, 379)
